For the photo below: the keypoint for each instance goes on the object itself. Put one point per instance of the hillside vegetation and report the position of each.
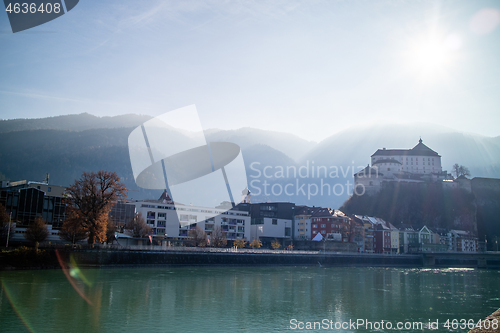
(418, 204)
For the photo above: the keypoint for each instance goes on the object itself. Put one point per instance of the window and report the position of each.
(275, 221)
(314, 226)
(323, 226)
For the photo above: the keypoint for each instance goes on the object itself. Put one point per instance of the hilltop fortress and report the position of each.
(419, 164)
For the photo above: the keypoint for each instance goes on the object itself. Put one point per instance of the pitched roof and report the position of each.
(419, 150)
(328, 212)
(386, 160)
(368, 171)
(165, 197)
(307, 210)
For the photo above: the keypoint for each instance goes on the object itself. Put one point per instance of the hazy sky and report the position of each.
(311, 68)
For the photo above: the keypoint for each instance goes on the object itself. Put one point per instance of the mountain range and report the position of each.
(66, 146)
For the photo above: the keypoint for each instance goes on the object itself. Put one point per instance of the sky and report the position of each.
(310, 68)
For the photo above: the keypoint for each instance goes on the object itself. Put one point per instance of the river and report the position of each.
(246, 299)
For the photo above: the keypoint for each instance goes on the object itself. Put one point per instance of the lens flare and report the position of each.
(17, 310)
(72, 274)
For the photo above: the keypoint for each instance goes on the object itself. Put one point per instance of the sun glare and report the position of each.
(431, 58)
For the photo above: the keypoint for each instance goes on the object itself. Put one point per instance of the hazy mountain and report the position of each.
(66, 150)
(481, 154)
(291, 145)
(73, 122)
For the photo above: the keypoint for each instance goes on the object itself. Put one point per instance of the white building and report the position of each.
(268, 227)
(174, 221)
(418, 160)
(402, 165)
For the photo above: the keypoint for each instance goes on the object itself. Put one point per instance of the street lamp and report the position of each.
(8, 232)
(284, 236)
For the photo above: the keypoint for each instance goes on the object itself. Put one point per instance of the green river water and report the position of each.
(246, 299)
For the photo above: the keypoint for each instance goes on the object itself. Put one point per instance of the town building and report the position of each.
(122, 213)
(270, 221)
(331, 224)
(408, 239)
(463, 241)
(25, 200)
(174, 220)
(357, 234)
(302, 225)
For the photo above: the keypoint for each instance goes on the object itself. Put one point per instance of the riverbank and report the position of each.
(490, 324)
(25, 258)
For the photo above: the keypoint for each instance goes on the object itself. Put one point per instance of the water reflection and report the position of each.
(240, 298)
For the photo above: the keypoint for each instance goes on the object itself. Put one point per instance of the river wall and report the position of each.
(97, 258)
(105, 257)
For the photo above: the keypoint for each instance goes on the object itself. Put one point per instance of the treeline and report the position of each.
(418, 204)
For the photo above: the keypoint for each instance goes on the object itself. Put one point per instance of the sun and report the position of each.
(431, 58)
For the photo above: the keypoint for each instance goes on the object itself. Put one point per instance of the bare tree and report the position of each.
(37, 232)
(92, 196)
(138, 226)
(460, 170)
(218, 237)
(464, 171)
(199, 236)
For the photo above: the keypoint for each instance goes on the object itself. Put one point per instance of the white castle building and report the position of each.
(404, 165)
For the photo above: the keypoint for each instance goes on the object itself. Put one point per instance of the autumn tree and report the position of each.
(4, 225)
(218, 237)
(239, 243)
(138, 227)
(275, 244)
(72, 230)
(199, 236)
(256, 244)
(37, 232)
(92, 197)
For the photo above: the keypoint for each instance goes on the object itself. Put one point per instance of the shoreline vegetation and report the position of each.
(24, 258)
